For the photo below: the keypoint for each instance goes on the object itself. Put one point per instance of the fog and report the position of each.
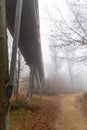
(61, 73)
(64, 52)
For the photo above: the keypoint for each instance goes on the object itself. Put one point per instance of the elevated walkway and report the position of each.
(29, 39)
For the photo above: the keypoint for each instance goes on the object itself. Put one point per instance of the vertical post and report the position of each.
(15, 40)
(15, 46)
(38, 82)
(18, 74)
(3, 63)
(30, 87)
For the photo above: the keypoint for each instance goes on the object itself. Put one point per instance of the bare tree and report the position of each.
(19, 67)
(69, 36)
(20, 64)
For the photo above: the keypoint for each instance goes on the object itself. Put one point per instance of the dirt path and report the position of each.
(70, 117)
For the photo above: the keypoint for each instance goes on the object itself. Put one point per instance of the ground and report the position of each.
(62, 112)
(71, 118)
(34, 114)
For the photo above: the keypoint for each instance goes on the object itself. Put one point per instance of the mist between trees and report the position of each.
(66, 70)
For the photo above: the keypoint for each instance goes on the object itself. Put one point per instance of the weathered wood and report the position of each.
(3, 63)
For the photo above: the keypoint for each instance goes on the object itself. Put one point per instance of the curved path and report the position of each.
(70, 117)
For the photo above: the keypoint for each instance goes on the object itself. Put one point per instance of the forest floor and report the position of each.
(34, 114)
(71, 115)
(62, 112)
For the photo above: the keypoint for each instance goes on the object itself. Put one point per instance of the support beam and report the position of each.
(31, 78)
(15, 47)
(38, 82)
(15, 40)
(3, 64)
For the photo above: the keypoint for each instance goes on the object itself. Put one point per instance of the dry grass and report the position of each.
(35, 114)
(82, 103)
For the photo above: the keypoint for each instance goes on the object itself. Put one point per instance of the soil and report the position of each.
(71, 117)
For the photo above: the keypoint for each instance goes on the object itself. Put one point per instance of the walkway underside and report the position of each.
(29, 40)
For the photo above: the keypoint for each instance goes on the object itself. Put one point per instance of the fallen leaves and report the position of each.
(42, 117)
(82, 102)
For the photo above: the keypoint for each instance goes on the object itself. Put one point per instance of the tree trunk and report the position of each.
(3, 64)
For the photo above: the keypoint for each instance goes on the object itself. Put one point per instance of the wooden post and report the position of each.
(3, 63)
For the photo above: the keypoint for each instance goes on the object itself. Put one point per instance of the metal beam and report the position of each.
(38, 81)
(15, 40)
(31, 79)
(3, 64)
(15, 47)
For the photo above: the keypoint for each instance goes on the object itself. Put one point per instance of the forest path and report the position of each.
(70, 117)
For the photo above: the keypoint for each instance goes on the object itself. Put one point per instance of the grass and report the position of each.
(21, 104)
(85, 96)
(82, 101)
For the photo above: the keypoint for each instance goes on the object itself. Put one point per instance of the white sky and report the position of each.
(45, 30)
(44, 21)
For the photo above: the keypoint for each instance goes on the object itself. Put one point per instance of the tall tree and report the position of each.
(69, 35)
(20, 64)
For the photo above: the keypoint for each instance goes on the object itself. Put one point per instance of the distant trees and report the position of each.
(79, 22)
(19, 67)
(20, 63)
(67, 35)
